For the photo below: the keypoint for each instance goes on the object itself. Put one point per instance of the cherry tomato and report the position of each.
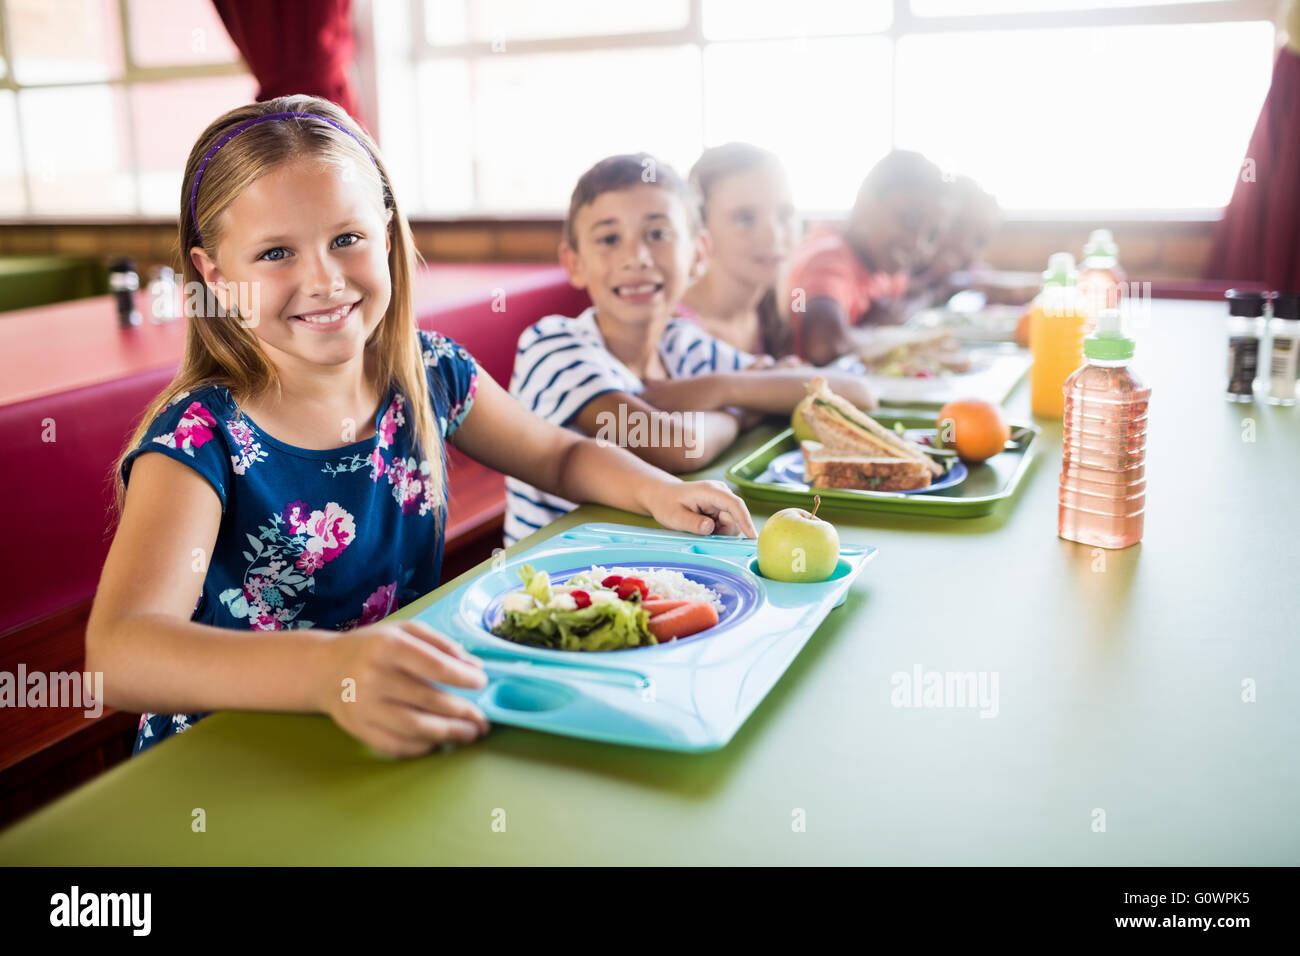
(612, 581)
(627, 586)
(581, 598)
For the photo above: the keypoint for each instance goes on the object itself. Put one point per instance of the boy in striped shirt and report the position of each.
(625, 370)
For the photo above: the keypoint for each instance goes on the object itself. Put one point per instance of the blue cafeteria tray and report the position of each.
(691, 694)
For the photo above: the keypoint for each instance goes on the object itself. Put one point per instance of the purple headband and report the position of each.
(230, 134)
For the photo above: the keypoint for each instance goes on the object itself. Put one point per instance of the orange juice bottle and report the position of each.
(1056, 325)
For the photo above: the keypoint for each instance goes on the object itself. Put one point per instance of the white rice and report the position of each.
(666, 584)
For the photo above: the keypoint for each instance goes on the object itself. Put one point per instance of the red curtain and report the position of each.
(1259, 236)
(295, 46)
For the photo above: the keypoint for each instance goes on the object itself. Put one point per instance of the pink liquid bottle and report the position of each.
(1103, 467)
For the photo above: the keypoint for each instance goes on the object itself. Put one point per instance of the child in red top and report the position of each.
(955, 264)
(858, 276)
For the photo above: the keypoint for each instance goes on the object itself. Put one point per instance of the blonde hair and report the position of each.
(224, 351)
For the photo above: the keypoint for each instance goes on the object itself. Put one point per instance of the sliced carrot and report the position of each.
(691, 618)
(659, 605)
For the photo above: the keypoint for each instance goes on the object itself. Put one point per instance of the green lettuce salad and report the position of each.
(546, 616)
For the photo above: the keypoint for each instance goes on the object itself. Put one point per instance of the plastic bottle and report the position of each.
(1056, 321)
(1100, 276)
(1103, 465)
(1284, 334)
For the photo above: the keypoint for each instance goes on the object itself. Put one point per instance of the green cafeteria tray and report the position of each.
(986, 485)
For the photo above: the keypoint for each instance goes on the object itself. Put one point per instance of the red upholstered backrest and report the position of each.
(489, 327)
(58, 493)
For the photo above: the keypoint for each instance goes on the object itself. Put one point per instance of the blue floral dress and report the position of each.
(332, 539)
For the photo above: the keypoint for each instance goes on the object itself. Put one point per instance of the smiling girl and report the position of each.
(296, 496)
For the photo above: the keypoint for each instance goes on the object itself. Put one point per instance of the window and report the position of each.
(496, 106)
(11, 168)
(792, 88)
(449, 22)
(101, 100)
(1125, 117)
(508, 108)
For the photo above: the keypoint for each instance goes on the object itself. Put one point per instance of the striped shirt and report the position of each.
(561, 364)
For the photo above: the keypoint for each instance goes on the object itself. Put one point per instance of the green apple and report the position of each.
(797, 546)
(802, 430)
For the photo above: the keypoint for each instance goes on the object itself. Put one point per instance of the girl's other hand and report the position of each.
(791, 361)
(390, 706)
(700, 507)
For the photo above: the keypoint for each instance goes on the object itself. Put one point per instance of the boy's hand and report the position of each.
(762, 362)
(391, 706)
(700, 507)
(852, 389)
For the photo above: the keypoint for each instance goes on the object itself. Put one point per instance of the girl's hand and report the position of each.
(760, 362)
(700, 507)
(375, 687)
(791, 361)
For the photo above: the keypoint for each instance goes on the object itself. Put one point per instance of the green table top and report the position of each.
(1119, 690)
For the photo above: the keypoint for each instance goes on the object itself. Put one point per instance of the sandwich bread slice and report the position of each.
(829, 469)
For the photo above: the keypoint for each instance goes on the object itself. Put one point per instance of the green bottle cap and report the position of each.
(1100, 245)
(1108, 343)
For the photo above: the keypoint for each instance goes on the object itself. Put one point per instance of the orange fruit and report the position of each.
(975, 428)
(1022, 330)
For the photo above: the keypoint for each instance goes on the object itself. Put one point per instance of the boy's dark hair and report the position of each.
(902, 170)
(624, 172)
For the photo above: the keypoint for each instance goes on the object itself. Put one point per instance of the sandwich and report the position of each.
(827, 469)
(902, 351)
(844, 430)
